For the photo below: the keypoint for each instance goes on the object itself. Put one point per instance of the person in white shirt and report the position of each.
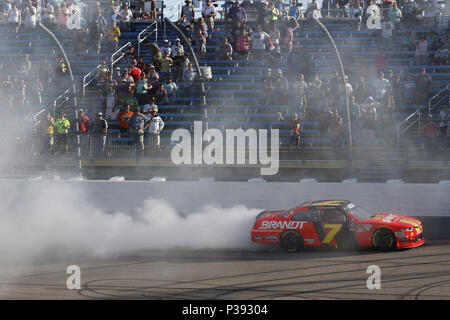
(14, 19)
(166, 47)
(355, 15)
(313, 10)
(387, 28)
(154, 129)
(48, 14)
(125, 16)
(209, 14)
(29, 16)
(176, 47)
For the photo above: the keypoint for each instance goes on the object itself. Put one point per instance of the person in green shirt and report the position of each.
(355, 112)
(166, 64)
(62, 126)
(130, 100)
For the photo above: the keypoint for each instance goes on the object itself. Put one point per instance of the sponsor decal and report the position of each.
(388, 218)
(271, 238)
(257, 238)
(280, 225)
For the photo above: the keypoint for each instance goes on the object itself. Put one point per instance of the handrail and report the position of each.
(399, 131)
(141, 39)
(65, 95)
(93, 75)
(447, 87)
(126, 45)
(178, 5)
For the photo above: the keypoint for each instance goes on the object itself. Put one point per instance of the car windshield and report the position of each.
(358, 212)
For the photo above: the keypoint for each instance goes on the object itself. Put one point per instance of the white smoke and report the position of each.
(47, 221)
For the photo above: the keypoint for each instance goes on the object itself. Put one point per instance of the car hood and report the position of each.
(394, 219)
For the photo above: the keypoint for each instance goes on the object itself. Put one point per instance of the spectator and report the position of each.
(62, 126)
(142, 89)
(224, 51)
(48, 14)
(294, 11)
(410, 11)
(313, 10)
(423, 86)
(155, 127)
(177, 47)
(84, 126)
(387, 4)
(161, 96)
(187, 14)
(355, 15)
(125, 85)
(422, 51)
(295, 125)
(47, 138)
(200, 42)
(135, 72)
(155, 52)
(131, 55)
(117, 75)
(258, 42)
(170, 86)
(113, 37)
(14, 19)
(209, 14)
(166, 47)
(153, 76)
(62, 16)
(336, 124)
(281, 88)
(324, 120)
(387, 29)
(96, 36)
(138, 124)
(125, 16)
(361, 90)
(262, 13)
(188, 79)
(355, 113)
(409, 90)
(142, 65)
(370, 117)
(166, 65)
(381, 93)
(112, 14)
(275, 36)
(300, 101)
(397, 91)
(130, 100)
(99, 134)
(243, 45)
(441, 56)
(238, 15)
(29, 16)
(111, 106)
(124, 117)
(395, 15)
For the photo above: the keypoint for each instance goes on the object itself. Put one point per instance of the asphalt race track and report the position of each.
(420, 273)
(265, 272)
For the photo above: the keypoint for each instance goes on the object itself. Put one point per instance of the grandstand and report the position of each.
(234, 96)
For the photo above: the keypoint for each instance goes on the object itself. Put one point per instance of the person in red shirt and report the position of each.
(83, 122)
(124, 117)
(135, 72)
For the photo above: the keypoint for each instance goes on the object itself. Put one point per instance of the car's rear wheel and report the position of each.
(291, 241)
(383, 239)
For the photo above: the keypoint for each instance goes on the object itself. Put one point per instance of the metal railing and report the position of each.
(409, 121)
(88, 78)
(144, 34)
(119, 54)
(438, 98)
(62, 98)
(175, 11)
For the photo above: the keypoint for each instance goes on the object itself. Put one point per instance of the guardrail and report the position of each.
(119, 54)
(144, 34)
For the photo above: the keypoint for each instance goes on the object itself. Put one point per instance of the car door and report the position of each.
(330, 224)
(306, 227)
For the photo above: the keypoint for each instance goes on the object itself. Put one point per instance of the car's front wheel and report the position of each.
(383, 239)
(291, 241)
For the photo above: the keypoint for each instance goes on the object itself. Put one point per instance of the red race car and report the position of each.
(336, 223)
